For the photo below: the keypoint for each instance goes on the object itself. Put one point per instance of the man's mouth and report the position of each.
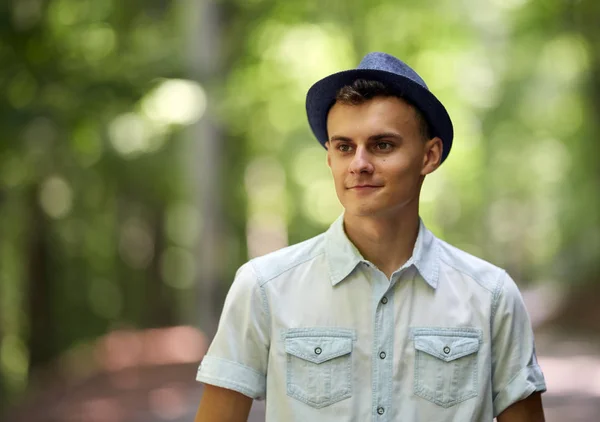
(363, 187)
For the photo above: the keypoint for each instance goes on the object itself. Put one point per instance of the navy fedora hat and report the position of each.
(398, 77)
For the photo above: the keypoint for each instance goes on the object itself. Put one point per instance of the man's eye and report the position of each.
(384, 146)
(344, 147)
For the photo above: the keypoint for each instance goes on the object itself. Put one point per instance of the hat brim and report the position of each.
(321, 97)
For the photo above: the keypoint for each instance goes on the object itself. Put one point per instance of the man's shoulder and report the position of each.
(486, 274)
(276, 263)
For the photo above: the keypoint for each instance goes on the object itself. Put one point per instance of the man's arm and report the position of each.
(516, 375)
(223, 405)
(234, 369)
(526, 410)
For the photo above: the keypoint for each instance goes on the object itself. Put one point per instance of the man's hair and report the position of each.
(362, 90)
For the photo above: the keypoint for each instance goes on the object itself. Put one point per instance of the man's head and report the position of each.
(382, 137)
(379, 149)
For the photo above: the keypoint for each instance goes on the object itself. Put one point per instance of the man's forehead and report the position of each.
(387, 111)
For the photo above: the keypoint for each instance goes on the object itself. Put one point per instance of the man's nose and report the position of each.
(361, 162)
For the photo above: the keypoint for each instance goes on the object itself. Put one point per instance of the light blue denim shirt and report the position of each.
(325, 336)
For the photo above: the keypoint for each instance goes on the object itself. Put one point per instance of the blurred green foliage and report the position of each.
(88, 174)
(99, 220)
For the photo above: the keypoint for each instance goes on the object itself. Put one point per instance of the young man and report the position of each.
(376, 319)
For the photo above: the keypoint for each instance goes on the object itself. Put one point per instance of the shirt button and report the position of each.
(446, 350)
(382, 355)
(380, 410)
(384, 300)
(318, 350)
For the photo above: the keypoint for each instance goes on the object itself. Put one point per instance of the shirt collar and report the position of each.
(343, 257)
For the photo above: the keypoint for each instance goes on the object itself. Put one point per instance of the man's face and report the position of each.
(378, 156)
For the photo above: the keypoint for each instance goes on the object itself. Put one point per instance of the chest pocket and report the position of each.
(446, 364)
(319, 365)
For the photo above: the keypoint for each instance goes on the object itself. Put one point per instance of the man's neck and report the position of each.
(387, 242)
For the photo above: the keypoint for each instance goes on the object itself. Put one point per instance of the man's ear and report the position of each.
(432, 158)
(327, 154)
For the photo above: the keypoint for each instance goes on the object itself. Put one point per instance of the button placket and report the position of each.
(382, 346)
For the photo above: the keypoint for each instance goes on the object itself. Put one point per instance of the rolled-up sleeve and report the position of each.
(238, 355)
(515, 371)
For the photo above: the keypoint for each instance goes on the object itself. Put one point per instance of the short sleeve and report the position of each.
(238, 355)
(515, 371)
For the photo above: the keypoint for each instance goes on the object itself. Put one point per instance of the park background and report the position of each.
(151, 147)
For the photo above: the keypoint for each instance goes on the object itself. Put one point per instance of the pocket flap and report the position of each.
(318, 349)
(447, 348)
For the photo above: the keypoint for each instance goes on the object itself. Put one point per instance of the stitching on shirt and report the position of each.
(232, 385)
(240, 365)
(504, 387)
(319, 332)
(446, 332)
(263, 296)
(467, 274)
(525, 393)
(263, 281)
(496, 294)
(265, 303)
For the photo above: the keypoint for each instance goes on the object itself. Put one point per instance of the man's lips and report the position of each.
(364, 186)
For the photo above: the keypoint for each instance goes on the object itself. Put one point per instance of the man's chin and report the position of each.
(363, 211)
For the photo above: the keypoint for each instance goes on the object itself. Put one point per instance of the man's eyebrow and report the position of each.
(385, 135)
(339, 139)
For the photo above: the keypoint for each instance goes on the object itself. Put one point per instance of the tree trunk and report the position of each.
(205, 160)
(39, 287)
(160, 303)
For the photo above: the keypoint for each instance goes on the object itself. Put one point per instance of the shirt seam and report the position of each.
(496, 295)
(265, 303)
(475, 279)
(264, 300)
(263, 281)
(534, 384)
(234, 363)
(228, 383)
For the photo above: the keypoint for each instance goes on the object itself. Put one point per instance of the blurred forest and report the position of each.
(150, 147)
